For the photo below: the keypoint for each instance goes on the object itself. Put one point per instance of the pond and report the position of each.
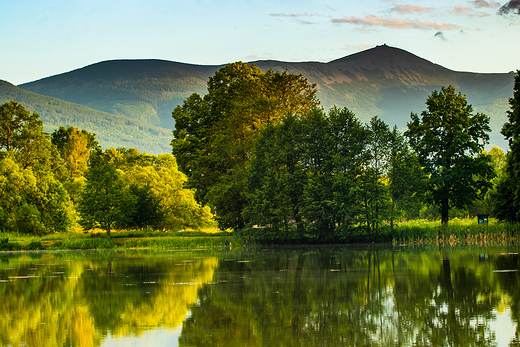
(315, 296)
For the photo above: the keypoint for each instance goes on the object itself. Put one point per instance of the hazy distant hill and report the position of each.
(383, 81)
(146, 90)
(111, 130)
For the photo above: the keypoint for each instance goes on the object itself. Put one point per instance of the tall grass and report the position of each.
(457, 230)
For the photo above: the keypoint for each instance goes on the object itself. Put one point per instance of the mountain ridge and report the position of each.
(385, 81)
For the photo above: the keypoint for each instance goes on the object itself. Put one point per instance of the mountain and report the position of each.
(390, 83)
(111, 130)
(146, 90)
(382, 81)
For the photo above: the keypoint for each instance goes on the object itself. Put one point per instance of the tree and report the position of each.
(18, 127)
(41, 204)
(406, 178)
(163, 197)
(105, 201)
(507, 198)
(22, 137)
(214, 134)
(350, 140)
(74, 147)
(305, 170)
(147, 211)
(375, 189)
(276, 178)
(448, 138)
(32, 203)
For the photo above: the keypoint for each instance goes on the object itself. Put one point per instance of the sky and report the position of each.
(41, 38)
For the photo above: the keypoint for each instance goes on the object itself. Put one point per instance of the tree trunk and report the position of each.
(392, 217)
(445, 209)
(299, 223)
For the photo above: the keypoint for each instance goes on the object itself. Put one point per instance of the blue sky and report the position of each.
(41, 38)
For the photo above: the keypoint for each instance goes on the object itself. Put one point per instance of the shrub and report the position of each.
(28, 220)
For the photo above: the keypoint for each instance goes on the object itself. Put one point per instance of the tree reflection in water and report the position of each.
(77, 299)
(354, 297)
(348, 296)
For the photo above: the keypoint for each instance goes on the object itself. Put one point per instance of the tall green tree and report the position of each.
(375, 190)
(349, 155)
(406, 179)
(448, 138)
(18, 127)
(40, 204)
(214, 134)
(275, 178)
(105, 201)
(317, 160)
(507, 197)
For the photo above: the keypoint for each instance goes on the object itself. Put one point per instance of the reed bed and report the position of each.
(458, 230)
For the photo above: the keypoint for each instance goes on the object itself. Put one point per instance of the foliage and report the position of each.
(33, 199)
(275, 178)
(32, 204)
(174, 206)
(105, 201)
(38, 178)
(326, 176)
(406, 180)
(214, 134)
(147, 210)
(448, 137)
(375, 195)
(74, 147)
(507, 195)
(22, 137)
(125, 188)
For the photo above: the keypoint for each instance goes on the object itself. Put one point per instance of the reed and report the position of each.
(457, 230)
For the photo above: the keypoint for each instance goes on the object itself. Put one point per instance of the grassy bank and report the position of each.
(416, 231)
(128, 239)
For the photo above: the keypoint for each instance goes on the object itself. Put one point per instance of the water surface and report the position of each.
(317, 296)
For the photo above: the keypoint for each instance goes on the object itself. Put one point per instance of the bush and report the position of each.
(4, 243)
(28, 220)
(35, 245)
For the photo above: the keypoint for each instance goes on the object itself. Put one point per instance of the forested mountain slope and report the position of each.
(146, 90)
(383, 81)
(111, 130)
